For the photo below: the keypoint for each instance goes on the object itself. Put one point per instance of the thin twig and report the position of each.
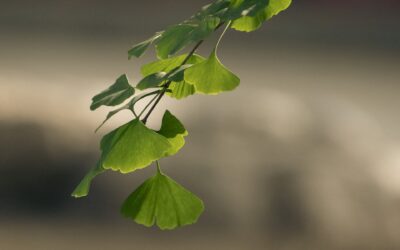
(148, 104)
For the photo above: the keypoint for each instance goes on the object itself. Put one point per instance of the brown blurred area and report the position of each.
(305, 154)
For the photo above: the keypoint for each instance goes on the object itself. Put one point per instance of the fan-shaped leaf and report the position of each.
(84, 186)
(239, 8)
(211, 77)
(179, 36)
(152, 80)
(133, 146)
(114, 95)
(139, 49)
(106, 144)
(177, 74)
(251, 23)
(275, 7)
(162, 201)
(174, 131)
(181, 90)
(167, 65)
(217, 9)
(248, 23)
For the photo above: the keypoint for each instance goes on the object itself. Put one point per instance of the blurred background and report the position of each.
(305, 154)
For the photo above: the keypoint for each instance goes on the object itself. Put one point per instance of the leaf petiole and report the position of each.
(158, 167)
(222, 34)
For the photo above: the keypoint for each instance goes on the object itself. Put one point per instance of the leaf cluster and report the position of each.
(133, 146)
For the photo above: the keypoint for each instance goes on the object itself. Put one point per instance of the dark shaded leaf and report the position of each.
(179, 36)
(139, 49)
(114, 95)
(151, 81)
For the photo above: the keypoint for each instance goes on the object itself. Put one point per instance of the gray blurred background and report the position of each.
(305, 154)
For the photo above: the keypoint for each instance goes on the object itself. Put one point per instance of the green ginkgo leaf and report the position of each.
(251, 23)
(134, 146)
(106, 144)
(84, 186)
(139, 49)
(114, 95)
(177, 37)
(174, 131)
(211, 77)
(151, 81)
(169, 44)
(162, 201)
(248, 23)
(177, 74)
(275, 7)
(181, 90)
(239, 8)
(167, 65)
(217, 8)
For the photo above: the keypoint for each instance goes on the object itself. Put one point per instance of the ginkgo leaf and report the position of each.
(181, 90)
(217, 8)
(106, 144)
(239, 8)
(169, 44)
(275, 7)
(251, 23)
(179, 36)
(187, 33)
(152, 80)
(139, 49)
(114, 95)
(166, 65)
(211, 77)
(162, 201)
(248, 23)
(177, 74)
(84, 186)
(174, 131)
(134, 146)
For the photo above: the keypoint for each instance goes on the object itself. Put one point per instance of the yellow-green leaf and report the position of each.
(251, 23)
(174, 131)
(134, 146)
(181, 90)
(167, 65)
(211, 77)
